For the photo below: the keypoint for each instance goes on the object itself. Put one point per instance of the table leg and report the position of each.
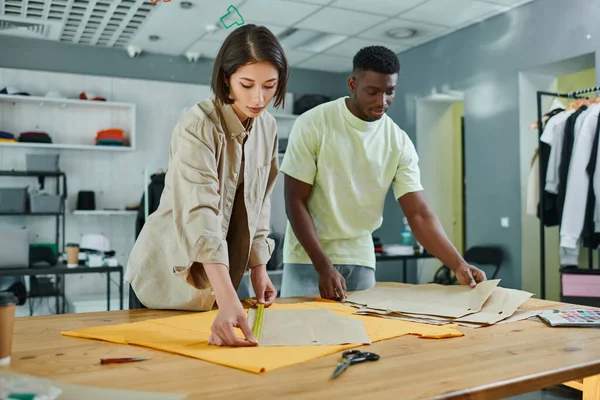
(107, 290)
(57, 286)
(63, 299)
(121, 288)
(591, 388)
(404, 274)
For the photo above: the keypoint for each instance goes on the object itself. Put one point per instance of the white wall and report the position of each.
(116, 177)
(529, 84)
(435, 144)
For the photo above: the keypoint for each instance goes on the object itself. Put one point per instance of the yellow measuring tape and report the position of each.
(258, 321)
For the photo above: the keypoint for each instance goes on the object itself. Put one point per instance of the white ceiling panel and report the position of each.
(510, 3)
(424, 31)
(380, 7)
(451, 13)
(178, 28)
(319, 2)
(327, 63)
(334, 20)
(206, 49)
(296, 57)
(299, 38)
(277, 12)
(351, 46)
(220, 34)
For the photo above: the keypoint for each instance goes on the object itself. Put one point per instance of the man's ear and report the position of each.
(352, 84)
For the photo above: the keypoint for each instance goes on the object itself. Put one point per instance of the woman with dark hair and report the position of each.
(212, 223)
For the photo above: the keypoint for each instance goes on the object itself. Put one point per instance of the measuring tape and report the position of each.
(258, 321)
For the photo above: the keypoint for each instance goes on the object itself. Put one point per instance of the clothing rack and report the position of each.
(542, 179)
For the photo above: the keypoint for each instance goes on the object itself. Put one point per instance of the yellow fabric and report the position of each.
(188, 335)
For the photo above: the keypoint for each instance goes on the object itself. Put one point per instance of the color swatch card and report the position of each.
(575, 318)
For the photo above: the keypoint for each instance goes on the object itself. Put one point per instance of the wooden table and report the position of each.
(486, 363)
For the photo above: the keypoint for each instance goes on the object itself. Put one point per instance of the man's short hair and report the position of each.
(377, 59)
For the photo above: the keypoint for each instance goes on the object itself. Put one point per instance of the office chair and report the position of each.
(486, 255)
(478, 255)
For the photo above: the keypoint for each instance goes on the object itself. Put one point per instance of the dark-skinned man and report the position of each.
(341, 158)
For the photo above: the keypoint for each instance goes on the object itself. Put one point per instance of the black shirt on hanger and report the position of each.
(550, 199)
(589, 236)
(565, 159)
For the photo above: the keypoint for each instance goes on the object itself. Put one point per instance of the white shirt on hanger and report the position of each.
(577, 186)
(533, 180)
(553, 135)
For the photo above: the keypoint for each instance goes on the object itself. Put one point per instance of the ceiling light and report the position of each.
(322, 43)
(211, 28)
(153, 38)
(401, 33)
(186, 5)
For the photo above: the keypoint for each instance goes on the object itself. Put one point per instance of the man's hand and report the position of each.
(332, 284)
(262, 285)
(469, 275)
(231, 315)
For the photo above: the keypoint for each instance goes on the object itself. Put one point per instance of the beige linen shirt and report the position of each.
(202, 217)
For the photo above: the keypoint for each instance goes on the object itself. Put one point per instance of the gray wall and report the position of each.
(60, 57)
(483, 60)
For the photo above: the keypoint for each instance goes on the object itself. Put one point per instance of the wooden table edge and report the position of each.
(498, 390)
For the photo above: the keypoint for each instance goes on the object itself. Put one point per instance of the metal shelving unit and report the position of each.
(60, 217)
(61, 189)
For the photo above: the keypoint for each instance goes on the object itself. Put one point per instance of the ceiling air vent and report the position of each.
(30, 29)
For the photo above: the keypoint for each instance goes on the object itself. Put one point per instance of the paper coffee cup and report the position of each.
(72, 255)
(8, 302)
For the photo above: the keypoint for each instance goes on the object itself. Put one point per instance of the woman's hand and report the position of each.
(231, 315)
(262, 285)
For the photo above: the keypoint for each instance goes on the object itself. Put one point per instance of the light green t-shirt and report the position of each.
(351, 165)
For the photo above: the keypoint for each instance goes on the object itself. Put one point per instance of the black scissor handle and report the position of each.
(350, 353)
(357, 356)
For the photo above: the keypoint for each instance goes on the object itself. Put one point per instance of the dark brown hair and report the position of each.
(249, 44)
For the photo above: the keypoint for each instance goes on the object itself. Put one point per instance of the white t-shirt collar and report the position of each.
(356, 122)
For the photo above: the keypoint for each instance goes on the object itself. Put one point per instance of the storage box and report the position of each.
(42, 162)
(14, 248)
(13, 200)
(580, 286)
(46, 203)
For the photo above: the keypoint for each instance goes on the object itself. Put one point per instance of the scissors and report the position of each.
(351, 357)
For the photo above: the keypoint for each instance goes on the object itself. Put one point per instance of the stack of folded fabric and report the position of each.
(7, 137)
(11, 91)
(484, 305)
(110, 137)
(35, 137)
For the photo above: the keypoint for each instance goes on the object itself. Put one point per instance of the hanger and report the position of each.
(556, 105)
(576, 105)
(535, 124)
